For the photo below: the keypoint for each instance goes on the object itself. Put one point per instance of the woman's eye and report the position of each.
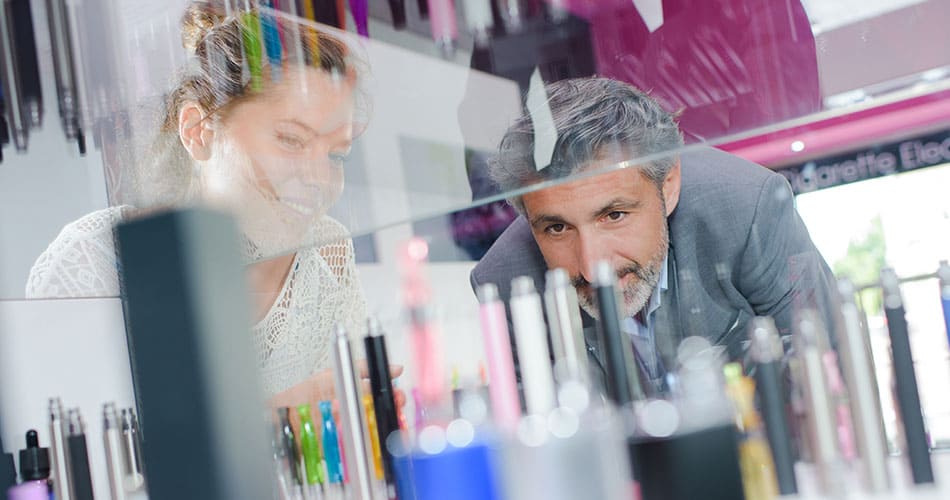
(292, 143)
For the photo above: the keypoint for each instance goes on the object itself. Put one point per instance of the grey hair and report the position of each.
(590, 115)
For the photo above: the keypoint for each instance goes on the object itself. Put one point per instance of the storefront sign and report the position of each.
(881, 160)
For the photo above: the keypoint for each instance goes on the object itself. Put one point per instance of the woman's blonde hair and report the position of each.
(217, 78)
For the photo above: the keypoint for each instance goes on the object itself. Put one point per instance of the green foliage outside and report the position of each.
(863, 263)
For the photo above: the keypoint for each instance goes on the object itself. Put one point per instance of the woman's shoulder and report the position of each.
(81, 260)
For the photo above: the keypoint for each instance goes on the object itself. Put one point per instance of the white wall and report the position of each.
(73, 349)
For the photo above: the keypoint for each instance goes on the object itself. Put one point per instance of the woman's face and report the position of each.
(277, 157)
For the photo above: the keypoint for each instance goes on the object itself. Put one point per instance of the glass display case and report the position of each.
(335, 132)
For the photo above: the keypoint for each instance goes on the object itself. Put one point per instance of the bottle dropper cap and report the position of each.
(34, 461)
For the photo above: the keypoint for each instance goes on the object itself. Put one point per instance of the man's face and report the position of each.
(619, 216)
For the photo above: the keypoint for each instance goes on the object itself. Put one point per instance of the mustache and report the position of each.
(581, 283)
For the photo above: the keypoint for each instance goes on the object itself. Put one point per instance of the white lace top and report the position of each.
(293, 340)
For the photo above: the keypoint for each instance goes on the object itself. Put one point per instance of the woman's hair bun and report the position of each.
(199, 19)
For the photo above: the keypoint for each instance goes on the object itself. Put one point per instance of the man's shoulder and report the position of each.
(705, 167)
(718, 186)
(513, 254)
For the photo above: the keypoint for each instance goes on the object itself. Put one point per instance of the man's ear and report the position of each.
(195, 132)
(671, 188)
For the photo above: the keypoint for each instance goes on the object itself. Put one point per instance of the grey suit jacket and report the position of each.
(738, 249)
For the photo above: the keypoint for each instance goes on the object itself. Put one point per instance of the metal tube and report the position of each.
(564, 319)
(905, 381)
(384, 401)
(858, 367)
(134, 476)
(532, 344)
(79, 457)
(112, 439)
(62, 486)
(502, 386)
(61, 46)
(348, 394)
(766, 350)
(623, 380)
(822, 430)
(12, 91)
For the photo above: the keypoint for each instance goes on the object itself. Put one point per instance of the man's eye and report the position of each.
(615, 216)
(290, 142)
(555, 229)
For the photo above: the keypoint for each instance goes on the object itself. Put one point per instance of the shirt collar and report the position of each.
(661, 287)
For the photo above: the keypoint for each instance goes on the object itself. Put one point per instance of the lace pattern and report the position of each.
(292, 341)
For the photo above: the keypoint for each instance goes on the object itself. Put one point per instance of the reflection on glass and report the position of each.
(259, 124)
(701, 242)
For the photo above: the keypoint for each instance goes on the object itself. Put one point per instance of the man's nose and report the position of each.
(590, 250)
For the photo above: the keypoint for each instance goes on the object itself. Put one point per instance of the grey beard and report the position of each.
(634, 295)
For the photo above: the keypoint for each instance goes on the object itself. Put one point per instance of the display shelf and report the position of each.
(783, 86)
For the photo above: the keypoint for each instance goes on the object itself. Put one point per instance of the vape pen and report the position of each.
(398, 10)
(253, 52)
(331, 444)
(309, 447)
(839, 398)
(943, 272)
(766, 352)
(426, 341)
(380, 382)
(502, 388)
(623, 380)
(478, 18)
(112, 439)
(820, 419)
(61, 49)
(10, 79)
(341, 14)
(905, 381)
(78, 457)
(328, 12)
(557, 9)
(62, 486)
(858, 367)
(134, 479)
(360, 10)
(288, 441)
(29, 68)
(512, 13)
(74, 11)
(347, 392)
(564, 318)
(755, 458)
(271, 36)
(444, 28)
(531, 341)
(310, 36)
(285, 487)
(372, 427)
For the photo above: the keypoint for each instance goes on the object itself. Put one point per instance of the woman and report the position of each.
(268, 146)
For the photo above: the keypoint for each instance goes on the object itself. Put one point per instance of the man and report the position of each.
(702, 242)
